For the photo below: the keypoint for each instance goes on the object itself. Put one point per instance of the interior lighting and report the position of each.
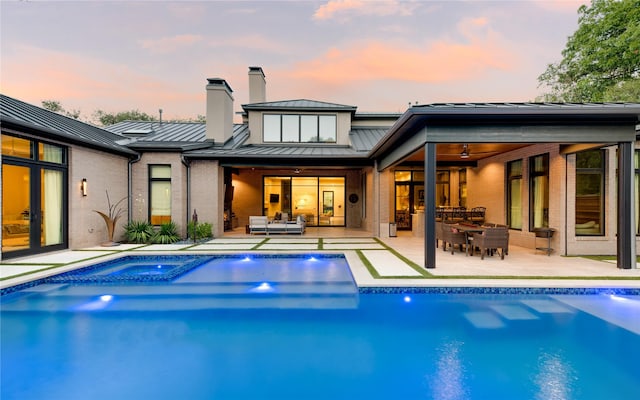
(83, 187)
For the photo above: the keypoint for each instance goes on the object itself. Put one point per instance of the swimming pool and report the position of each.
(164, 341)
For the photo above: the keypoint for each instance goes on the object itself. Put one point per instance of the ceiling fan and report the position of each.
(467, 153)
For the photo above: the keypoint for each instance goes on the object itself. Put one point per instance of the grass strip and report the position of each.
(368, 265)
(410, 263)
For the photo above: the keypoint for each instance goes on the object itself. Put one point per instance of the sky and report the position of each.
(376, 55)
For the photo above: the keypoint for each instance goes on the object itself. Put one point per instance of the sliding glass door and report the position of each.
(320, 200)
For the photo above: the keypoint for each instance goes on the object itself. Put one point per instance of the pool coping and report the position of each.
(368, 284)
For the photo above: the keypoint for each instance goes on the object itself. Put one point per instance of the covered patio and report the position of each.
(423, 132)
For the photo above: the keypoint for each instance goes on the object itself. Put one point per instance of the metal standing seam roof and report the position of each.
(299, 104)
(364, 139)
(57, 126)
(149, 134)
(280, 151)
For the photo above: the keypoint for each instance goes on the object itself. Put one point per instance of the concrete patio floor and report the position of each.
(384, 262)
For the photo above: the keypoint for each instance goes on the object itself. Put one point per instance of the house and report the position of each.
(569, 167)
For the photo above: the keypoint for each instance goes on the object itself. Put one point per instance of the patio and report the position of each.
(386, 262)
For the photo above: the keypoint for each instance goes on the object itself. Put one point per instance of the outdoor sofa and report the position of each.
(261, 224)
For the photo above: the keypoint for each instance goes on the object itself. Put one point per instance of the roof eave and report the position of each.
(49, 133)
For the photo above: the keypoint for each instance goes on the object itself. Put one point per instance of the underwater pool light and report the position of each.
(106, 297)
(264, 287)
(407, 299)
(312, 258)
(247, 258)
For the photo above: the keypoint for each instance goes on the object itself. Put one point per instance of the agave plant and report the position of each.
(111, 218)
(138, 231)
(168, 233)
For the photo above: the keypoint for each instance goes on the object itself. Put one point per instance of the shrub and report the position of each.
(166, 234)
(203, 230)
(138, 232)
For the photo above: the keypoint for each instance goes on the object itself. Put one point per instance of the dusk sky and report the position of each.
(376, 55)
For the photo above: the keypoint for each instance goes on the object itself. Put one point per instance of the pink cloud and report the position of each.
(439, 61)
(343, 8)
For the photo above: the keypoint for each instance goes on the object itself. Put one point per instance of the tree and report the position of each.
(110, 119)
(56, 107)
(601, 60)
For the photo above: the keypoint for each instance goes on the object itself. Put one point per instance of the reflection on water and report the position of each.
(555, 377)
(448, 382)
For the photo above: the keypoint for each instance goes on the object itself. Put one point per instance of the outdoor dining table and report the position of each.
(469, 230)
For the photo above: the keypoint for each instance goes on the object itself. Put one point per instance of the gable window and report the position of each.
(159, 194)
(514, 194)
(539, 191)
(590, 193)
(295, 128)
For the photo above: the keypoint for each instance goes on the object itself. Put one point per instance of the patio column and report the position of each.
(626, 251)
(430, 205)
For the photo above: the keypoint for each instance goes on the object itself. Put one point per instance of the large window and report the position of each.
(320, 200)
(294, 128)
(590, 193)
(160, 194)
(514, 194)
(539, 191)
(34, 200)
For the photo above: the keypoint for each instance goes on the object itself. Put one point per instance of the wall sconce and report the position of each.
(83, 187)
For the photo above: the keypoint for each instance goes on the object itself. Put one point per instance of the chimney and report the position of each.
(257, 85)
(219, 110)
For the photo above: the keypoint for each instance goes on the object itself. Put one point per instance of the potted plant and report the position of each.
(111, 218)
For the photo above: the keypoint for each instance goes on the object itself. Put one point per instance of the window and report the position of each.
(443, 195)
(514, 194)
(539, 191)
(410, 194)
(462, 187)
(293, 128)
(34, 196)
(320, 200)
(636, 164)
(159, 194)
(590, 193)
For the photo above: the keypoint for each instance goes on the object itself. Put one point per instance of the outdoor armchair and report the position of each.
(452, 236)
(492, 239)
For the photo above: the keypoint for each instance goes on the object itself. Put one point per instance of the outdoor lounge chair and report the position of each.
(492, 239)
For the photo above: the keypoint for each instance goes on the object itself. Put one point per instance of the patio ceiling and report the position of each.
(451, 153)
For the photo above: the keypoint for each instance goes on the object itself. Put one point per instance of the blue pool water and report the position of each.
(297, 328)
